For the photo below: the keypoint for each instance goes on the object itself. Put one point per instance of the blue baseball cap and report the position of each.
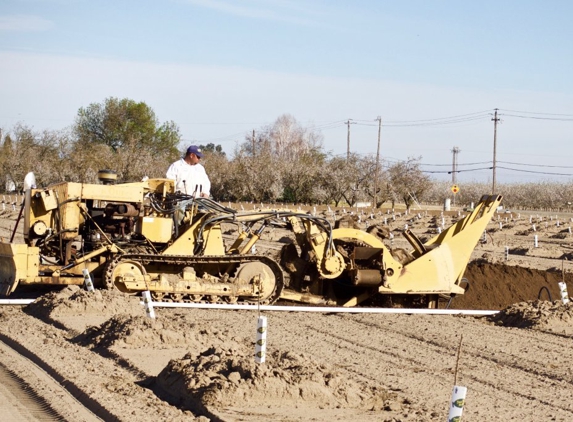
(194, 149)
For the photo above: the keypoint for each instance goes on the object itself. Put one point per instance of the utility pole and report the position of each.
(455, 152)
(495, 120)
(253, 141)
(348, 123)
(379, 118)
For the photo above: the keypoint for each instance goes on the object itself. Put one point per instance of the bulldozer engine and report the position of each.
(145, 236)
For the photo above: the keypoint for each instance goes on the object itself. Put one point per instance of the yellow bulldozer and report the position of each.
(145, 236)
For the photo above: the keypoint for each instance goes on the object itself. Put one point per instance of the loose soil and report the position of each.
(103, 353)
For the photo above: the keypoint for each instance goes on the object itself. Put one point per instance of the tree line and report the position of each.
(281, 162)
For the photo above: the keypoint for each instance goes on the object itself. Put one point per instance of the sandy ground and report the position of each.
(83, 356)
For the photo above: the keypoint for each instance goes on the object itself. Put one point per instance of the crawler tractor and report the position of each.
(145, 236)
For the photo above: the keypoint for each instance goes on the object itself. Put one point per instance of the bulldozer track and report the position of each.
(197, 261)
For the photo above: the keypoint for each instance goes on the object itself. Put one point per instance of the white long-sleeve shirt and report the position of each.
(189, 179)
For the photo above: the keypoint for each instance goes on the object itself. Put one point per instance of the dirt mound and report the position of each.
(222, 377)
(73, 300)
(554, 316)
(497, 286)
(137, 331)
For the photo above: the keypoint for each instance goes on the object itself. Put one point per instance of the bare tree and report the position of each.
(281, 163)
(337, 178)
(25, 151)
(257, 178)
(221, 172)
(408, 181)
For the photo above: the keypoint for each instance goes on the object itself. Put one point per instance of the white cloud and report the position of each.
(24, 23)
(277, 10)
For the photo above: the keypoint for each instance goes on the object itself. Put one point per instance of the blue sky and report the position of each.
(221, 68)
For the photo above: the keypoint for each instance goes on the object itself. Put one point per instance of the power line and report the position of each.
(535, 165)
(458, 164)
(536, 172)
(539, 118)
(430, 120)
(430, 123)
(533, 112)
(499, 167)
(457, 171)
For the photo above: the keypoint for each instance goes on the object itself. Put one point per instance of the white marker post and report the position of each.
(88, 280)
(564, 294)
(150, 312)
(507, 253)
(458, 393)
(261, 344)
(535, 244)
(457, 403)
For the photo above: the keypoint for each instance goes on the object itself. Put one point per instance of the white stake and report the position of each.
(457, 403)
(507, 253)
(535, 241)
(147, 304)
(261, 344)
(564, 294)
(458, 393)
(88, 280)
